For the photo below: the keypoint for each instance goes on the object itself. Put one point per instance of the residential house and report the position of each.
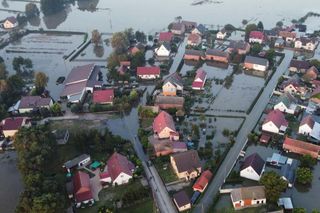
(164, 127)
(299, 66)
(288, 36)
(288, 171)
(221, 34)
(166, 147)
(10, 22)
(118, 170)
(256, 37)
(81, 79)
(194, 40)
(252, 167)
(189, 25)
(277, 160)
(255, 63)
(165, 37)
(305, 43)
(301, 27)
(294, 87)
(311, 74)
(239, 47)
(178, 28)
(10, 126)
(82, 189)
(279, 43)
(186, 165)
(203, 181)
(30, 103)
(308, 126)
(301, 147)
(271, 34)
(195, 55)
(139, 47)
(200, 30)
(103, 96)
(286, 103)
(172, 85)
(217, 55)
(79, 161)
(182, 201)
(169, 102)
(164, 50)
(148, 73)
(199, 80)
(275, 122)
(247, 197)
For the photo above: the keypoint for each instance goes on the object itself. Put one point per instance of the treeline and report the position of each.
(44, 189)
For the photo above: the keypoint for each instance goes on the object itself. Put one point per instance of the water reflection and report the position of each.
(99, 51)
(53, 21)
(5, 4)
(89, 5)
(35, 21)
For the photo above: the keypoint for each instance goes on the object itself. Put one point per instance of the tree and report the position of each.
(315, 211)
(307, 161)
(299, 210)
(316, 63)
(3, 71)
(120, 42)
(138, 60)
(279, 24)
(226, 132)
(114, 60)
(244, 22)
(260, 26)
(76, 108)
(96, 37)
(133, 95)
(229, 27)
(270, 54)
(140, 36)
(274, 185)
(49, 7)
(249, 28)
(56, 108)
(304, 175)
(256, 49)
(31, 10)
(41, 80)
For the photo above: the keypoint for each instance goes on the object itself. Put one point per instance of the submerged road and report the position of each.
(241, 140)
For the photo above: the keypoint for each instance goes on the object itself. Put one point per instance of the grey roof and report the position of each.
(194, 52)
(201, 28)
(80, 73)
(287, 99)
(216, 52)
(244, 193)
(160, 99)
(174, 79)
(288, 171)
(255, 161)
(74, 162)
(238, 44)
(33, 102)
(167, 45)
(271, 33)
(181, 198)
(12, 19)
(256, 60)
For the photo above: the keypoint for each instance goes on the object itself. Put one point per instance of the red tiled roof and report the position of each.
(301, 147)
(165, 36)
(197, 84)
(104, 175)
(202, 181)
(103, 96)
(81, 186)
(148, 71)
(257, 35)
(194, 38)
(13, 123)
(162, 121)
(287, 34)
(201, 74)
(117, 164)
(277, 118)
(265, 138)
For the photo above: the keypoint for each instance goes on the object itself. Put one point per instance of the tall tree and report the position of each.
(50, 7)
(274, 185)
(249, 28)
(41, 81)
(260, 26)
(96, 37)
(120, 42)
(31, 10)
(304, 175)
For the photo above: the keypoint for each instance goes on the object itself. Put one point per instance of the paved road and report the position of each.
(164, 201)
(241, 139)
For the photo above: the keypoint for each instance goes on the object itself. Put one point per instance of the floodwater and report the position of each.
(153, 15)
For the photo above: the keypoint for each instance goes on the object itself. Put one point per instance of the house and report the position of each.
(30, 103)
(275, 122)
(203, 181)
(139, 47)
(199, 80)
(217, 55)
(288, 171)
(147, 73)
(286, 204)
(79, 161)
(194, 40)
(311, 74)
(301, 27)
(271, 34)
(164, 50)
(163, 126)
(286, 103)
(10, 126)
(81, 79)
(252, 167)
(239, 47)
(166, 147)
(195, 55)
(200, 30)
(256, 37)
(61, 136)
(246, 197)
(182, 201)
(103, 96)
(279, 43)
(178, 28)
(288, 36)
(294, 87)
(82, 189)
(172, 85)
(189, 25)
(255, 63)
(221, 34)
(10, 22)
(299, 66)
(118, 170)
(277, 160)
(186, 165)
(308, 126)
(169, 102)
(301, 147)
(165, 37)
(305, 43)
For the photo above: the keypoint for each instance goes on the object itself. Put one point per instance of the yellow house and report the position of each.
(172, 85)
(186, 165)
(10, 126)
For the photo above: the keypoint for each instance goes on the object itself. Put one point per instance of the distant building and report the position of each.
(164, 50)
(10, 22)
(10, 126)
(194, 40)
(299, 66)
(288, 172)
(169, 102)
(217, 55)
(279, 43)
(199, 80)
(256, 37)
(103, 96)
(200, 30)
(139, 47)
(30, 103)
(221, 34)
(164, 127)
(247, 197)
(165, 37)
(306, 43)
(311, 74)
(253, 167)
(275, 122)
(195, 55)
(189, 25)
(239, 47)
(186, 165)
(148, 73)
(287, 104)
(81, 160)
(178, 28)
(172, 85)
(256, 63)
(288, 36)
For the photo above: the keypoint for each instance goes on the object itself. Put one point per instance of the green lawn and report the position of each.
(165, 171)
(144, 207)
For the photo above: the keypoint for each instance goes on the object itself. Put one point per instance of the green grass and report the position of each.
(144, 207)
(167, 175)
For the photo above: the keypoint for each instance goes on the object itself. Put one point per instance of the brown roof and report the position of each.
(248, 193)
(216, 52)
(194, 38)
(13, 123)
(301, 147)
(194, 52)
(307, 120)
(187, 161)
(175, 100)
(287, 34)
(33, 102)
(181, 198)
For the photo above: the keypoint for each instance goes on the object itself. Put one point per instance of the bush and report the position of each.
(76, 108)
(304, 175)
